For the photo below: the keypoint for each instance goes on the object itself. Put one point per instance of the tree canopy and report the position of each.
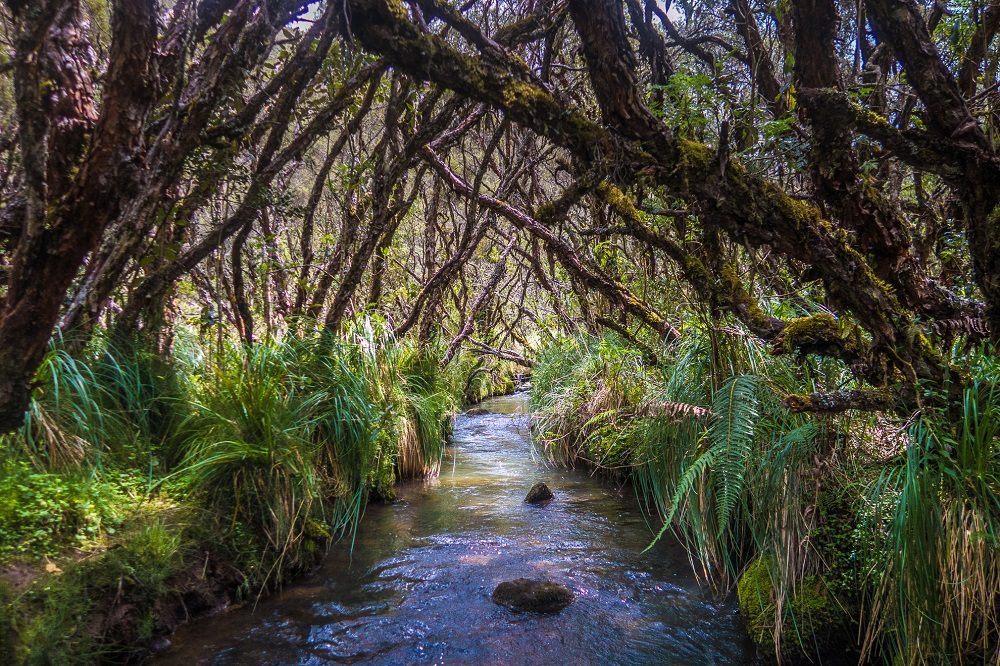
(743, 157)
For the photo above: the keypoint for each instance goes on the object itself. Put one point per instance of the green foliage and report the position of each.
(472, 378)
(43, 513)
(65, 423)
(709, 475)
(690, 99)
(66, 616)
(131, 463)
(430, 400)
(582, 390)
(756, 596)
(288, 439)
(824, 522)
(707, 444)
(145, 396)
(720, 471)
(689, 431)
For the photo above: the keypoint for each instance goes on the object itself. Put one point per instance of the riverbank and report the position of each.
(145, 491)
(841, 535)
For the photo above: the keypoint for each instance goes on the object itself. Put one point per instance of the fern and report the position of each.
(729, 437)
(731, 433)
(685, 486)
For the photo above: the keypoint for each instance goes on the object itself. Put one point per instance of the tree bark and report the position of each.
(55, 241)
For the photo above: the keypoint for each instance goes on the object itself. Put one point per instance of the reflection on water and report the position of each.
(417, 588)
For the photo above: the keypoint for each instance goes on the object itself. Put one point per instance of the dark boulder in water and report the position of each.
(539, 493)
(533, 596)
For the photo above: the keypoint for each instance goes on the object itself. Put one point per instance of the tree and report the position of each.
(848, 235)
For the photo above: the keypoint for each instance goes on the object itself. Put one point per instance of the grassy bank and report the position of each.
(145, 489)
(854, 530)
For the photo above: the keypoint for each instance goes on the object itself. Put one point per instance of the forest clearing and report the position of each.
(299, 298)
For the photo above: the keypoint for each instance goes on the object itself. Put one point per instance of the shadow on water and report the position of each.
(417, 588)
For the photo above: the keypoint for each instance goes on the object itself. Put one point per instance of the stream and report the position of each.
(416, 587)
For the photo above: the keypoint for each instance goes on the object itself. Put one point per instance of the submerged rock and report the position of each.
(534, 596)
(477, 411)
(539, 493)
(160, 644)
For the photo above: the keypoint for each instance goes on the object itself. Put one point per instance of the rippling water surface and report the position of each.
(416, 589)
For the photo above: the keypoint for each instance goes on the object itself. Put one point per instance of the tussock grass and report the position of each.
(940, 589)
(472, 378)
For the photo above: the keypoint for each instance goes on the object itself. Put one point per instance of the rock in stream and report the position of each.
(539, 493)
(534, 596)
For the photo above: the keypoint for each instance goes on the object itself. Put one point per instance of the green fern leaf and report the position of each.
(731, 434)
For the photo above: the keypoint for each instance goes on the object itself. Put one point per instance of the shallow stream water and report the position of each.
(416, 588)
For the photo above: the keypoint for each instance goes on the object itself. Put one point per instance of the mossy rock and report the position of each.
(813, 620)
(755, 593)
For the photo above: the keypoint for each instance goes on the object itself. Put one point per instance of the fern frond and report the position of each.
(731, 434)
(685, 485)
(670, 409)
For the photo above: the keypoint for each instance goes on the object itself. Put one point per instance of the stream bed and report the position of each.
(416, 587)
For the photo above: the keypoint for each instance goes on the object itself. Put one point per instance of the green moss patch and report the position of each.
(812, 621)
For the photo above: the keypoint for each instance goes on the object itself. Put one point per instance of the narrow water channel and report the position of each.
(416, 589)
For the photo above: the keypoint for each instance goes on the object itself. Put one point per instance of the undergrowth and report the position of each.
(201, 475)
(835, 527)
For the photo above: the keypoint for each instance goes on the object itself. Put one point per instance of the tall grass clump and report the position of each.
(290, 439)
(115, 403)
(582, 390)
(251, 452)
(939, 591)
(64, 426)
(474, 377)
(430, 399)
